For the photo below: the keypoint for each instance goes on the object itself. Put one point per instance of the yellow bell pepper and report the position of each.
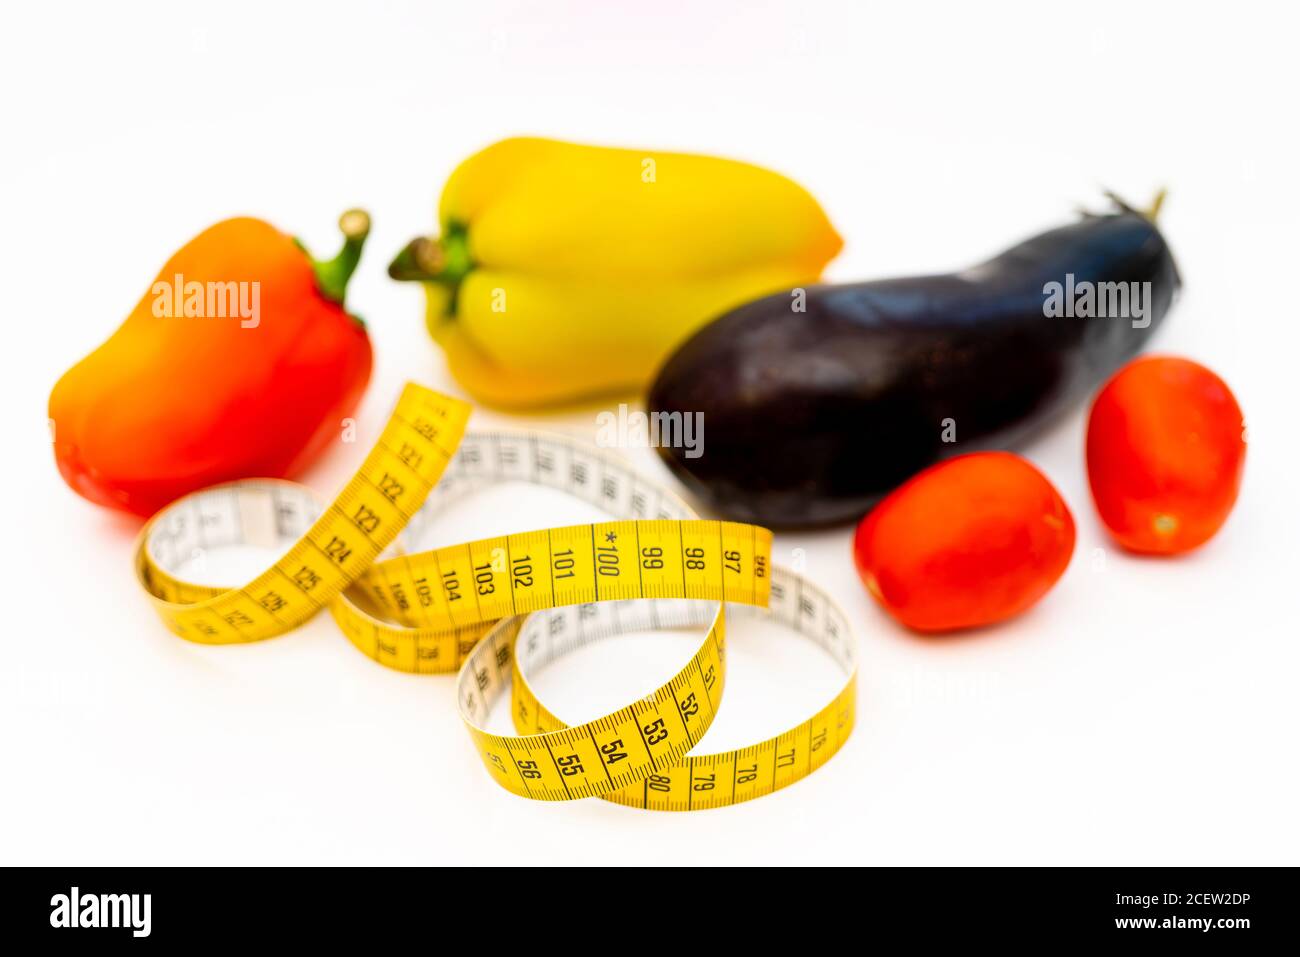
(565, 272)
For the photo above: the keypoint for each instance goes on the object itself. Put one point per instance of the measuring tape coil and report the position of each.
(502, 607)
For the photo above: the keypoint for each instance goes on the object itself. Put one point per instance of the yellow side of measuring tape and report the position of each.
(548, 592)
(404, 465)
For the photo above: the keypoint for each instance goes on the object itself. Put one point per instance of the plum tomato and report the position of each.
(1166, 449)
(971, 541)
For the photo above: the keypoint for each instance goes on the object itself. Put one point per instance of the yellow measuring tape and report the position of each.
(503, 607)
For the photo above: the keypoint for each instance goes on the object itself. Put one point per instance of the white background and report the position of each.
(1144, 712)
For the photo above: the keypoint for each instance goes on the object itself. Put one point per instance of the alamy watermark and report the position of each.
(76, 909)
(211, 300)
(1098, 300)
(671, 430)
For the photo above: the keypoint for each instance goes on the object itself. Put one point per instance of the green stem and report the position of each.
(332, 275)
(444, 260)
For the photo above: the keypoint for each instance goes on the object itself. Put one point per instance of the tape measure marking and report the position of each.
(682, 781)
(573, 565)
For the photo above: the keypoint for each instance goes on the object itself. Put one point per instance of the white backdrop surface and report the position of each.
(1145, 712)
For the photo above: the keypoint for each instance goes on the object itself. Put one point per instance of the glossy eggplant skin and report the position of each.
(812, 417)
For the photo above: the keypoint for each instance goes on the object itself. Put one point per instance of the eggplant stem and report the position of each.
(1150, 213)
(1153, 210)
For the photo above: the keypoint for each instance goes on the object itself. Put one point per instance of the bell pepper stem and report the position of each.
(443, 260)
(332, 275)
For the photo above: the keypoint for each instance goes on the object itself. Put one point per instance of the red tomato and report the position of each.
(1166, 448)
(970, 541)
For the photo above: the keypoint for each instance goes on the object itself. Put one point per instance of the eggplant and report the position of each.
(814, 415)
